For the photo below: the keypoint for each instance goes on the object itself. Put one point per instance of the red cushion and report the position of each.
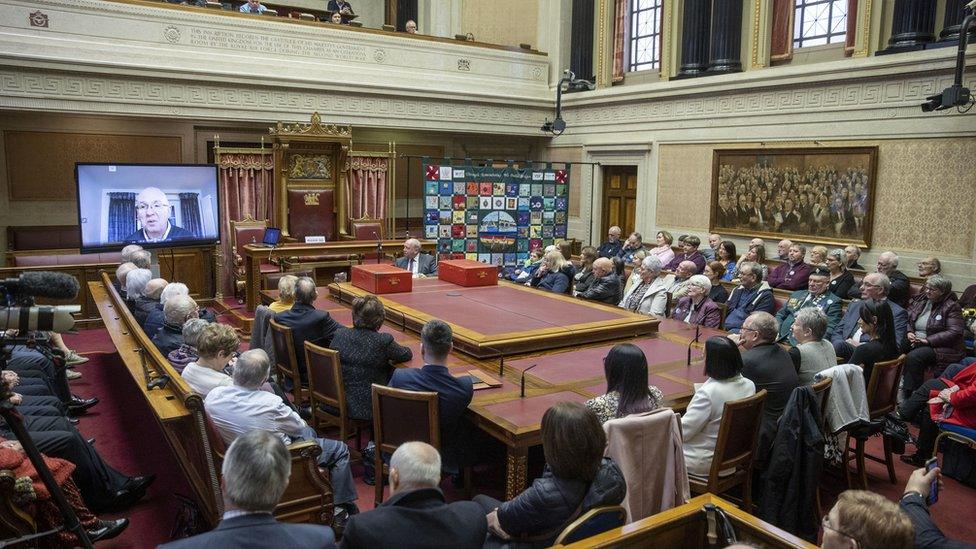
(269, 268)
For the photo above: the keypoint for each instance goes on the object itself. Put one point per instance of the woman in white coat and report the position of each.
(701, 421)
(650, 295)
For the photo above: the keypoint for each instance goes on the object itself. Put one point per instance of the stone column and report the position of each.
(912, 26)
(726, 40)
(695, 30)
(952, 21)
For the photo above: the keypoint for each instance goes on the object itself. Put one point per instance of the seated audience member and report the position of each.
(849, 335)
(524, 273)
(286, 294)
(606, 287)
(684, 272)
(818, 256)
(584, 277)
(154, 320)
(715, 272)
(758, 242)
(701, 421)
(243, 406)
(618, 268)
(690, 253)
(146, 303)
(410, 27)
(853, 255)
(416, 509)
(576, 479)
(711, 252)
(793, 274)
(453, 393)
(914, 504)
(878, 344)
(307, 323)
(929, 266)
(633, 243)
(752, 295)
(187, 352)
(725, 254)
(783, 249)
(625, 368)
(128, 251)
(650, 296)
(935, 332)
(841, 279)
(336, 18)
(611, 248)
(866, 520)
(663, 250)
(253, 6)
(366, 354)
(340, 6)
(770, 367)
(254, 476)
(817, 296)
(43, 510)
(756, 254)
(565, 247)
(421, 265)
(216, 345)
(175, 314)
(135, 285)
(142, 259)
(551, 276)
(695, 307)
(888, 266)
(120, 272)
(949, 400)
(635, 263)
(811, 353)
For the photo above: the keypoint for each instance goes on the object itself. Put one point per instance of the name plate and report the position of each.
(315, 240)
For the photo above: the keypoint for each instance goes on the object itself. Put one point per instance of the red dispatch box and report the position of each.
(465, 272)
(379, 278)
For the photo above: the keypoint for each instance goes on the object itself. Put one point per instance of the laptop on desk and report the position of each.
(271, 237)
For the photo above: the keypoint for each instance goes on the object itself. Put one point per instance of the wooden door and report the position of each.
(619, 199)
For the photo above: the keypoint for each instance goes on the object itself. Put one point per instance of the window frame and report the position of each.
(634, 10)
(800, 6)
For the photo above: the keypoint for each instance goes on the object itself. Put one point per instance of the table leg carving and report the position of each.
(516, 471)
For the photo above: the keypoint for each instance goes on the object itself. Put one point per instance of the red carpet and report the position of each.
(130, 440)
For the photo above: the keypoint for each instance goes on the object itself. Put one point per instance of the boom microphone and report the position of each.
(42, 284)
(44, 318)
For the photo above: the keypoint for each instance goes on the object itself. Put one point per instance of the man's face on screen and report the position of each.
(152, 209)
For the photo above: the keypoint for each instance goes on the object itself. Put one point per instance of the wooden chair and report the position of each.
(882, 398)
(367, 228)
(735, 449)
(286, 362)
(595, 521)
(243, 232)
(326, 392)
(402, 416)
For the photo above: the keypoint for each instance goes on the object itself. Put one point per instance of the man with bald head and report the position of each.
(153, 211)
(888, 266)
(711, 252)
(613, 245)
(684, 272)
(606, 283)
(421, 265)
(849, 335)
(148, 301)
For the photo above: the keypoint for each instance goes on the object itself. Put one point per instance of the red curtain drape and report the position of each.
(367, 187)
(619, 34)
(247, 189)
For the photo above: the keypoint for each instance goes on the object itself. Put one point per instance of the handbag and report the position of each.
(719, 532)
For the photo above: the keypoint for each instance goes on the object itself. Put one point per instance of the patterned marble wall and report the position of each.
(926, 192)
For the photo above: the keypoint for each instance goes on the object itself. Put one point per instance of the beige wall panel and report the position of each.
(506, 22)
(684, 180)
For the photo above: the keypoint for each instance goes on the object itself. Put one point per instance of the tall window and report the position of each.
(819, 22)
(644, 44)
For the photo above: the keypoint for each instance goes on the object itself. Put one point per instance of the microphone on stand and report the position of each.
(692, 342)
(522, 393)
(379, 247)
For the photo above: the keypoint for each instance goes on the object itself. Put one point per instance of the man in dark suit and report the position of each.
(306, 322)
(848, 333)
(453, 393)
(770, 367)
(816, 296)
(606, 288)
(421, 265)
(254, 476)
(853, 254)
(416, 514)
(888, 266)
(613, 245)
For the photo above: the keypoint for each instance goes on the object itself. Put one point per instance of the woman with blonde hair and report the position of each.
(551, 276)
(286, 294)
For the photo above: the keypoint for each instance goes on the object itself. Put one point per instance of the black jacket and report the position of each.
(793, 472)
(258, 530)
(307, 324)
(141, 307)
(609, 249)
(586, 279)
(927, 534)
(770, 367)
(551, 503)
(168, 338)
(605, 290)
(367, 357)
(899, 288)
(418, 518)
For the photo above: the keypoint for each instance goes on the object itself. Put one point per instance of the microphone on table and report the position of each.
(522, 393)
(379, 247)
(692, 342)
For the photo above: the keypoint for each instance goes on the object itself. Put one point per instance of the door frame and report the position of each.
(632, 154)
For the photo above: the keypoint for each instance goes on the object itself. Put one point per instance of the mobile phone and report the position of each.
(934, 488)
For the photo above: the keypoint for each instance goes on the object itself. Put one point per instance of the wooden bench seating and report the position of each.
(197, 446)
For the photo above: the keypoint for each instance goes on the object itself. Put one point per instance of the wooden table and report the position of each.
(254, 254)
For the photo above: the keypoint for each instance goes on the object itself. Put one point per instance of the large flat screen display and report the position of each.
(150, 205)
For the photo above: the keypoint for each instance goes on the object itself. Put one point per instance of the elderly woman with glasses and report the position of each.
(696, 307)
(650, 295)
(935, 332)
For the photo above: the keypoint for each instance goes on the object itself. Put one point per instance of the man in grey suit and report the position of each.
(255, 474)
(848, 334)
(421, 265)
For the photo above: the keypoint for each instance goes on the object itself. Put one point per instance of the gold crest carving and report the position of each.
(309, 166)
(312, 199)
(314, 128)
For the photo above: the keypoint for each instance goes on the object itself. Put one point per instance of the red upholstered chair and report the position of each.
(367, 228)
(328, 394)
(244, 232)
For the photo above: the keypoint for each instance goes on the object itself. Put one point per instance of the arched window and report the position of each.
(644, 35)
(818, 22)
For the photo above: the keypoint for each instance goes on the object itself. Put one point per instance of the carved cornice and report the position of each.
(314, 128)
